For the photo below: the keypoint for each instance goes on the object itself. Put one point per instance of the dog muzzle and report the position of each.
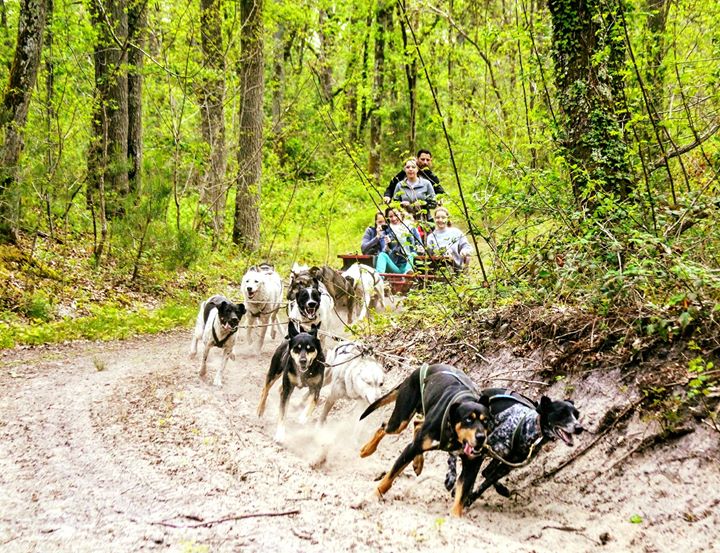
(310, 311)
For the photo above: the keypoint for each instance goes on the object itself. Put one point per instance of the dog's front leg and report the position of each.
(262, 330)
(330, 401)
(285, 393)
(406, 457)
(492, 473)
(464, 485)
(227, 354)
(313, 397)
(203, 362)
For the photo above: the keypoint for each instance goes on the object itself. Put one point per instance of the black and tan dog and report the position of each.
(520, 429)
(300, 362)
(455, 416)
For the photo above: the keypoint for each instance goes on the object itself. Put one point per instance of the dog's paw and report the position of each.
(418, 464)
(279, 434)
(373, 497)
(450, 479)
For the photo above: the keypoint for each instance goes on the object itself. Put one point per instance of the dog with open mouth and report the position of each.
(262, 289)
(454, 419)
(313, 306)
(520, 428)
(216, 326)
(300, 362)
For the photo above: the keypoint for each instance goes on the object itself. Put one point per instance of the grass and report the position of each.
(108, 322)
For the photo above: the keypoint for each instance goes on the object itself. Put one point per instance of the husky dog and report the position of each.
(354, 372)
(262, 288)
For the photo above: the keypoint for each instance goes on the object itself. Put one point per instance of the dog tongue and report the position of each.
(468, 449)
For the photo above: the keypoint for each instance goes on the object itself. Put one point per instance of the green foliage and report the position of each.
(106, 322)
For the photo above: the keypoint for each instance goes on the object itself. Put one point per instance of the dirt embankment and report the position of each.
(121, 447)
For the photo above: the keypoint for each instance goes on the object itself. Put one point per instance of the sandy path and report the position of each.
(120, 447)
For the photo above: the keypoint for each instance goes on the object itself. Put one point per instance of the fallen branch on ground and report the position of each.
(211, 523)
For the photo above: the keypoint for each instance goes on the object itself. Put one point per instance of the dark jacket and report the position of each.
(424, 173)
(372, 242)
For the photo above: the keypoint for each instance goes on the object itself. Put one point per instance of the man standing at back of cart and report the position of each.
(424, 164)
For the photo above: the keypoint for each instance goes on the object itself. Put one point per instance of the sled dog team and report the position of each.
(449, 412)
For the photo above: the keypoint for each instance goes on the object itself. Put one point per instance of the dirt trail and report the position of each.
(120, 447)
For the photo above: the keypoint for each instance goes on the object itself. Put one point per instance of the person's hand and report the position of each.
(386, 199)
(405, 203)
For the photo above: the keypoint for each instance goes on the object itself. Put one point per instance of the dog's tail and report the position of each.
(384, 400)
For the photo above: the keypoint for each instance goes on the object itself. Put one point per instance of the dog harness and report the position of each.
(262, 311)
(362, 349)
(218, 342)
(516, 435)
(470, 393)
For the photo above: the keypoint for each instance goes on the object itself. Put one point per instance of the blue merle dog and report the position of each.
(520, 427)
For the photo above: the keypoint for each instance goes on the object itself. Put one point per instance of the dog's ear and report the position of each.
(315, 271)
(240, 308)
(484, 400)
(351, 281)
(314, 330)
(545, 404)
(292, 330)
(316, 283)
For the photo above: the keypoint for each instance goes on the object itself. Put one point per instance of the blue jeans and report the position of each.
(384, 264)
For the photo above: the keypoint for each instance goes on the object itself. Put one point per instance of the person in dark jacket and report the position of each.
(375, 239)
(424, 163)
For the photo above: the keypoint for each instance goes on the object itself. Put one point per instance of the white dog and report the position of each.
(368, 287)
(262, 288)
(354, 372)
(216, 326)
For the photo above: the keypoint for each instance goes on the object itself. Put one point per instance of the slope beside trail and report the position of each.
(121, 447)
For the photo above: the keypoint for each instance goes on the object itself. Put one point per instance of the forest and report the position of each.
(151, 153)
(151, 147)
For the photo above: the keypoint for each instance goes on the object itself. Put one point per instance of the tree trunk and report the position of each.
(282, 47)
(212, 98)
(108, 160)
(15, 103)
(246, 230)
(588, 54)
(411, 77)
(324, 56)
(383, 18)
(137, 25)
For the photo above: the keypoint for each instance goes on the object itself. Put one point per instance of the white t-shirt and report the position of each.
(449, 241)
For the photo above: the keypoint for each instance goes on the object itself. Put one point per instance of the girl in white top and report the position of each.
(449, 241)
